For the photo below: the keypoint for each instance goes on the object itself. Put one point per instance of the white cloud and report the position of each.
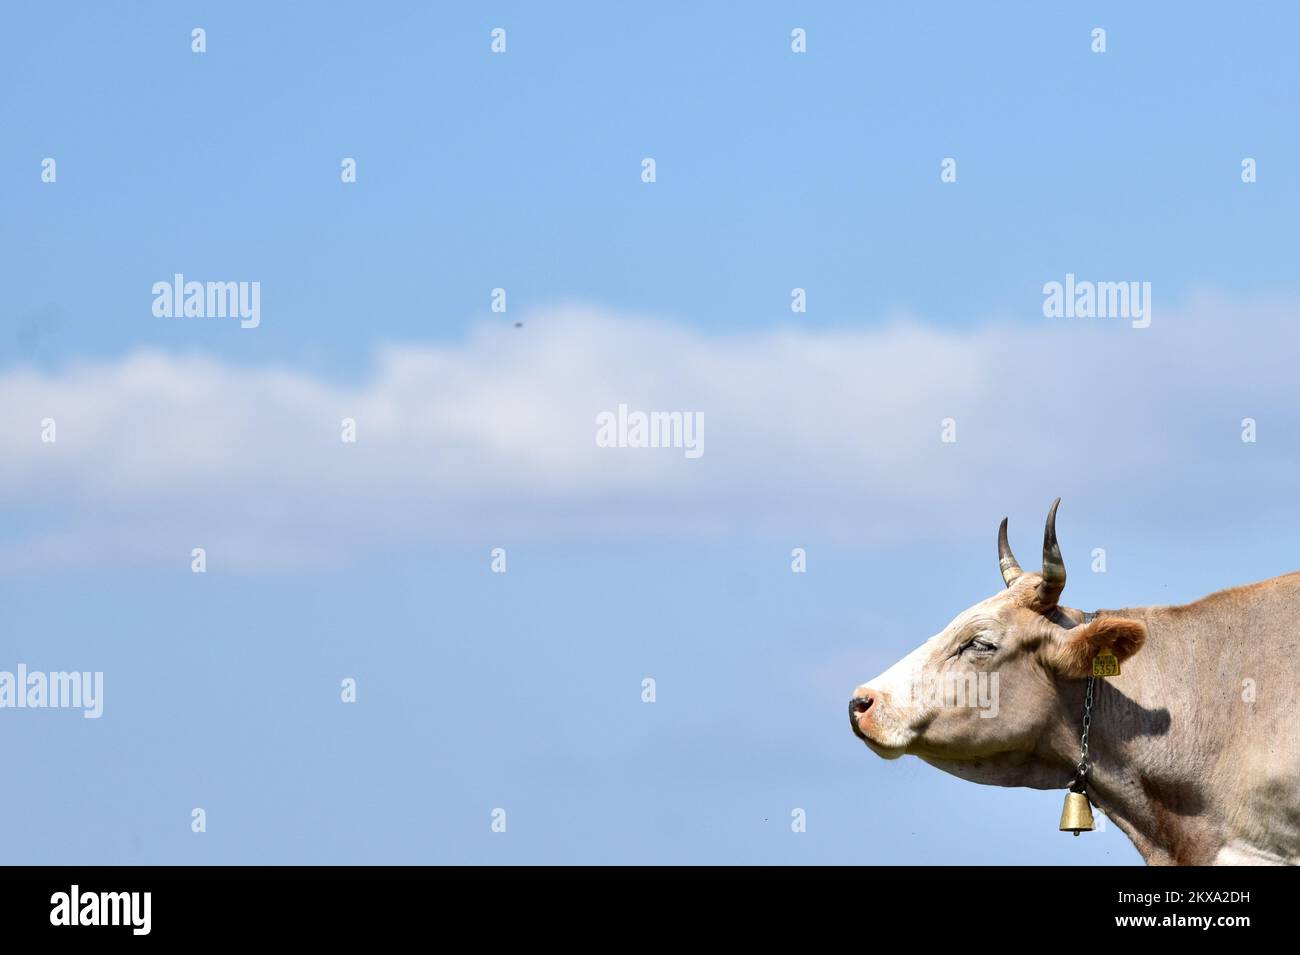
(821, 432)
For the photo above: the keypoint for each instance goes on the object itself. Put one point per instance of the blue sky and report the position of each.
(522, 171)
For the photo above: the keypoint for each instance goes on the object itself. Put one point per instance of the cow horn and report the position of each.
(1007, 560)
(1049, 591)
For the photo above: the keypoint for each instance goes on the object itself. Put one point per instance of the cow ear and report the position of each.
(1070, 652)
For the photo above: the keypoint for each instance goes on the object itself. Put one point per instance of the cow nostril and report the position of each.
(860, 704)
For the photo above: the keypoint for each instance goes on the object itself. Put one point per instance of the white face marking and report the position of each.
(898, 681)
(900, 702)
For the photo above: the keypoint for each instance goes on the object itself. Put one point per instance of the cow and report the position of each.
(1193, 749)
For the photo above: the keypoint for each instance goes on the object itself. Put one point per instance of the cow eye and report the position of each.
(980, 645)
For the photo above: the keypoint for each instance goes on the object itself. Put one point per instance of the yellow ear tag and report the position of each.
(1105, 664)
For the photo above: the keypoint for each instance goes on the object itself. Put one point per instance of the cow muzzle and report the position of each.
(865, 711)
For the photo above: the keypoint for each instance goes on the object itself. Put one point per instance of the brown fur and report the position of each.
(1231, 594)
(1073, 655)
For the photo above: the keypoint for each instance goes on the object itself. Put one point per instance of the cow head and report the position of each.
(977, 698)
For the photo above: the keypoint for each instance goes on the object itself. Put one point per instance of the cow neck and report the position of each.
(1130, 737)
